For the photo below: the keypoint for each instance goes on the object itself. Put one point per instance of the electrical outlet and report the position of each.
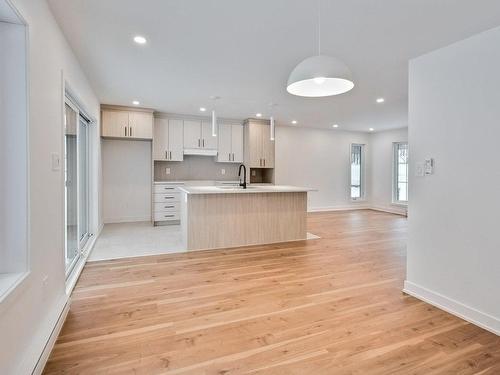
(223, 171)
(167, 170)
(254, 173)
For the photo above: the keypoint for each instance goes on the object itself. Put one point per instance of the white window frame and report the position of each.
(362, 187)
(15, 268)
(395, 173)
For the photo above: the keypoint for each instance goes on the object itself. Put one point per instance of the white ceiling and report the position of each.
(243, 51)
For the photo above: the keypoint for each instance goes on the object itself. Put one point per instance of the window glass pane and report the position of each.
(401, 172)
(356, 171)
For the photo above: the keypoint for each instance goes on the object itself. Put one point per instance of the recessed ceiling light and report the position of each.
(258, 114)
(140, 39)
(371, 129)
(335, 125)
(294, 122)
(380, 100)
(136, 102)
(203, 109)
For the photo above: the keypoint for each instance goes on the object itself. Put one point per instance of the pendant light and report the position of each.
(271, 123)
(214, 116)
(320, 75)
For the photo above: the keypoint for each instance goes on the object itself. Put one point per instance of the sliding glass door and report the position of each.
(76, 174)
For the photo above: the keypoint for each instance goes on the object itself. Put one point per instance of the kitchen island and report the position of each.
(224, 216)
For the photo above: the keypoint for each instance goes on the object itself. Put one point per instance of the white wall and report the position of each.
(28, 317)
(454, 117)
(381, 154)
(126, 168)
(319, 159)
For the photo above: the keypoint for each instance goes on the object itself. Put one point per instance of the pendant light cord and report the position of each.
(319, 27)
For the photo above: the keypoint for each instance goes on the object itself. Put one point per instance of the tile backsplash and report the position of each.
(195, 168)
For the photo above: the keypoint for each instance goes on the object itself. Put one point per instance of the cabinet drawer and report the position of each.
(165, 189)
(166, 206)
(166, 216)
(166, 197)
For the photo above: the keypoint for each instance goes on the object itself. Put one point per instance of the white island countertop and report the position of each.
(238, 190)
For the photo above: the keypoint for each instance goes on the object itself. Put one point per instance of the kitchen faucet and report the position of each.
(244, 183)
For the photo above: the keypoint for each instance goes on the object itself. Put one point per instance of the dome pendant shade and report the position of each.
(320, 76)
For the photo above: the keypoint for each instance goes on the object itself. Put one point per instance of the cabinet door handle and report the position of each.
(169, 215)
(199, 142)
(170, 155)
(203, 142)
(264, 162)
(169, 206)
(125, 131)
(166, 155)
(130, 131)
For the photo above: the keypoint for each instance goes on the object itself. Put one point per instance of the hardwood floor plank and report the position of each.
(329, 306)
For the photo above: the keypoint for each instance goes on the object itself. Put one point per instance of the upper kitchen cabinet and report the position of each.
(168, 139)
(122, 123)
(198, 136)
(230, 147)
(259, 149)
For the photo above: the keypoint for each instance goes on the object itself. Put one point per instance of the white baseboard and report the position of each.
(392, 210)
(338, 208)
(483, 320)
(129, 219)
(52, 340)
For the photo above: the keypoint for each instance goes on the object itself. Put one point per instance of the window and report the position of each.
(14, 265)
(357, 167)
(400, 189)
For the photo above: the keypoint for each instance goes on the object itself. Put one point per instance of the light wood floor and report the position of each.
(327, 306)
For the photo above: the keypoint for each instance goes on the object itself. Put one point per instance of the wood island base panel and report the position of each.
(213, 221)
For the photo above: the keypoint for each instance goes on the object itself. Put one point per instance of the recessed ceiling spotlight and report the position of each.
(258, 114)
(294, 122)
(371, 129)
(140, 39)
(203, 109)
(380, 100)
(335, 125)
(136, 102)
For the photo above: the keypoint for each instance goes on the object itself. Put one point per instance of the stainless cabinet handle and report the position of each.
(264, 162)
(125, 131)
(170, 155)
(168, 215)
(169, 206)
(203, 142)
(166, 155)
(169, 197)
(199, 142)
(130, 130)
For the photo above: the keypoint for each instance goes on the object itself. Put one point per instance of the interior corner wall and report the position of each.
(28, 318)
(382, 154)
(453, 247)
(320, 159)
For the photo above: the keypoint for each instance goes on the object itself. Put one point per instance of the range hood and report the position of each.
(200, 152)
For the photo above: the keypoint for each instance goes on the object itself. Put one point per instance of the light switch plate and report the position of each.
(55, 161)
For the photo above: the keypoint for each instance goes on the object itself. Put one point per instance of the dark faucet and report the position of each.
(244, 183)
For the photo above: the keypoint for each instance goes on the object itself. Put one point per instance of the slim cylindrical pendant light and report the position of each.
(271, 127)
(214, 116)
(214, 124)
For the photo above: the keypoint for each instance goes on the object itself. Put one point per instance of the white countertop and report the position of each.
(250, 189)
